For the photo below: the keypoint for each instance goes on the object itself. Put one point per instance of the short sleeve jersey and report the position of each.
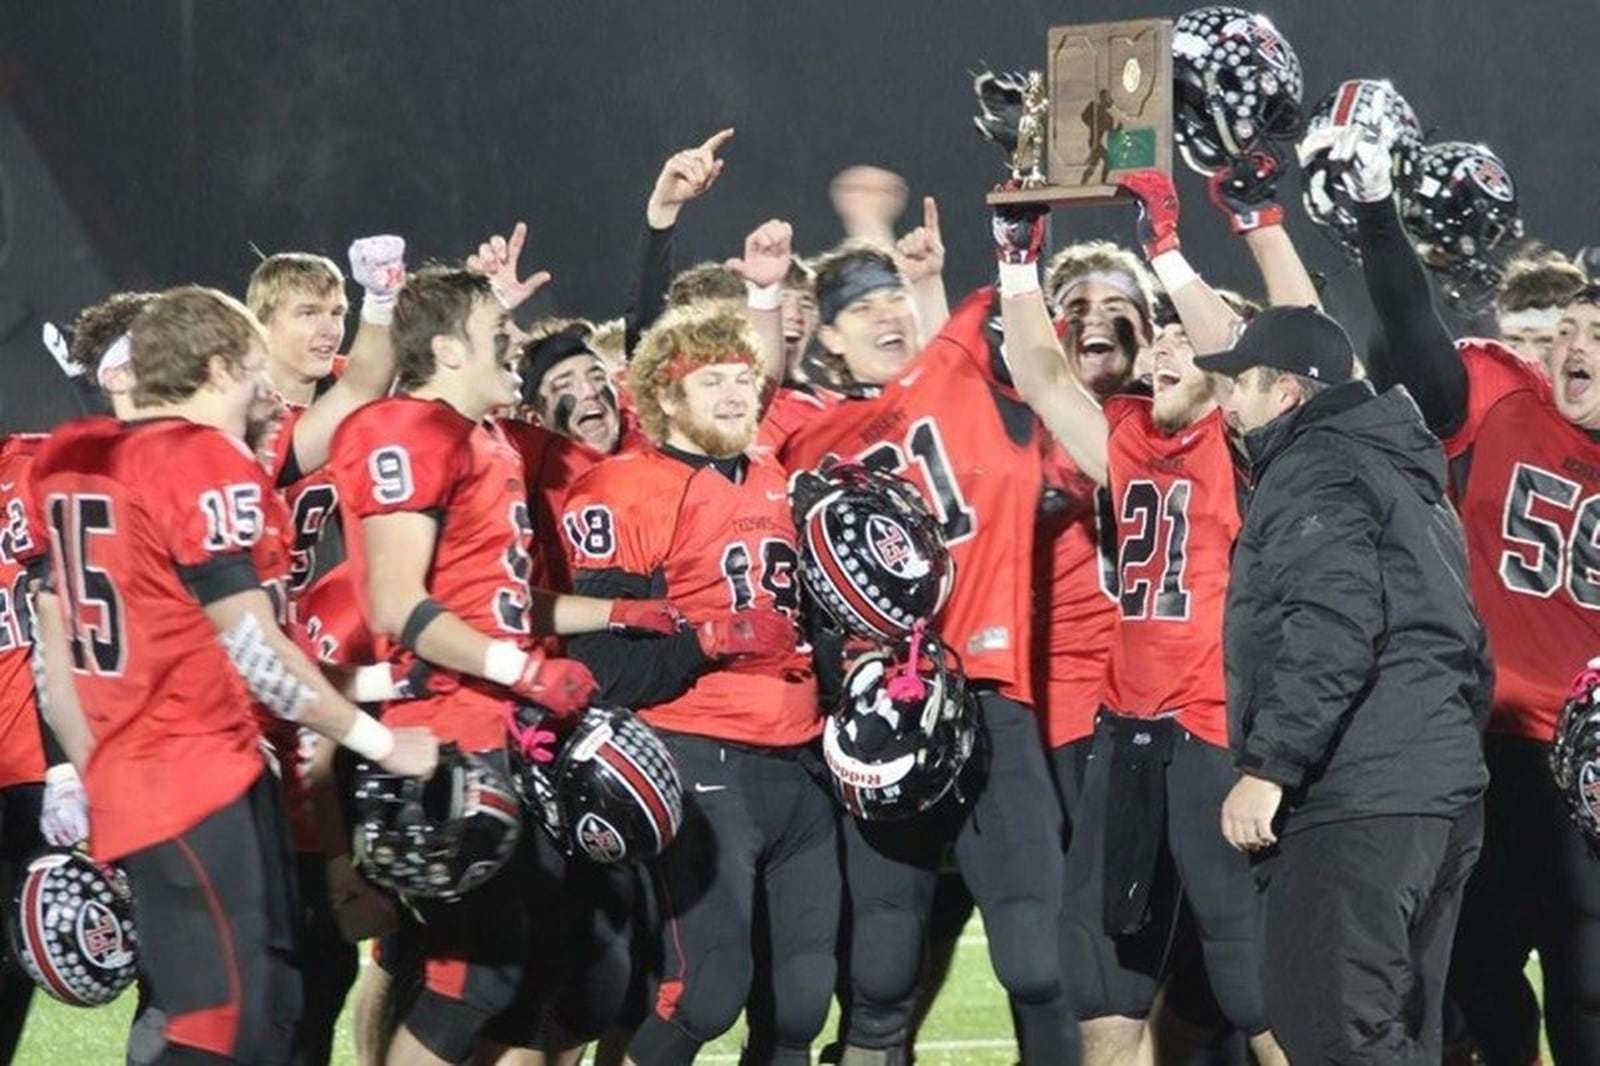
(21, 543)
(1175, 499)
(711, 546)
(405, 455)
(973, 452)
(136, 516)
(1527, 483)
(789, 410)
(1075, 614)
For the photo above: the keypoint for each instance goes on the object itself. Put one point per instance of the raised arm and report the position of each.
(768, 252)
(1208, 320)
(1247, 195)
(1034, 356)
(920, 254)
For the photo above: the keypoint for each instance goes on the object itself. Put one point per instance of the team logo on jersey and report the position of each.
(100, 936)
(891, 546)
(1488, 175)
(599, 839)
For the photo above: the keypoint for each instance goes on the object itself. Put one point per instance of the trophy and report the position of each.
(1105, 107)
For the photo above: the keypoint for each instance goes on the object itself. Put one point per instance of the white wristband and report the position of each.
(1018, 279)
(373, 683)
(369, 738)
(60, 773)
(763, 297)
(377, 309)
(1173, 270)
(504, 662)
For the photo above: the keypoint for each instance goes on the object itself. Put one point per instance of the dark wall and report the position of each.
(183, 131)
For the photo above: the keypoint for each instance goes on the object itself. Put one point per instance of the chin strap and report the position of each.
(906, 684)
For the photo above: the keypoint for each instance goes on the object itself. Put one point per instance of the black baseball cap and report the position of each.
(1301, 340)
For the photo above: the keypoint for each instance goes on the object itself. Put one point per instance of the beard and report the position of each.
(716, 441)
(1177, 407)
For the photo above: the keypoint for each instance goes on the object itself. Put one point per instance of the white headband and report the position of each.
(1120, 280)
(115, 363)
(1529, 319)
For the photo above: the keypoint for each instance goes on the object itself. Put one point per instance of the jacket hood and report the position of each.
(1389, 423)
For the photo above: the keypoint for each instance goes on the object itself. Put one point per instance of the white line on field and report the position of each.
(922, 1045)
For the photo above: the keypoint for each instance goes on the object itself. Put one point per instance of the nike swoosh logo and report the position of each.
(1187, 439)
(775, 496)
(698, 787)
(911, 378)
(7, 486)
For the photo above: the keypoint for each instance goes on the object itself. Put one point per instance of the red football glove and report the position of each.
(1158, 209)
(416, 679)
(1247, 191)
(563, 686)
(644, 616)
(760, 632)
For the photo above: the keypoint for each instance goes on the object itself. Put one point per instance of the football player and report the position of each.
(1168, 464)
(152, 529)
(704, 520)
(1525, 473)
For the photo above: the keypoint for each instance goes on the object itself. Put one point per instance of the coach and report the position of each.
(1358, 682)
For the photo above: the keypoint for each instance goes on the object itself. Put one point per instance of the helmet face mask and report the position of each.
(903, 733)
(871, 553)
(1237, 82)
(71, 927)
(1460, 211)
(1575, 755)
(1376, 106)
(440, 838)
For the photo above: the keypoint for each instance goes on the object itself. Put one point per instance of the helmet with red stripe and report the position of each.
(440, 838)
(903, 732)
(870, 552)
(72, 928)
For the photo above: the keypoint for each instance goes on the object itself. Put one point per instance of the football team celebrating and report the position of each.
(603, 684)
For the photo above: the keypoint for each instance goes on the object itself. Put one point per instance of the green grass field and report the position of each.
(969, 1026)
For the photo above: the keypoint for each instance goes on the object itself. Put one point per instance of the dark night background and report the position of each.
(145, 143)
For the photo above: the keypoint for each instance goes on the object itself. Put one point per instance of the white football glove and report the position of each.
(378, 265)
(1369, 176)
(64, 816)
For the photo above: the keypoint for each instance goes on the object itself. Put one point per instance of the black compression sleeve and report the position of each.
(1417, 350)
(220, 577)
(650, 283)
(635, 670)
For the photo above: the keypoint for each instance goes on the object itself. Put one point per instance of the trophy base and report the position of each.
(1070, 195)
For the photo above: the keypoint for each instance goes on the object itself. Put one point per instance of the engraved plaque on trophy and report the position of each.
(1107, 108)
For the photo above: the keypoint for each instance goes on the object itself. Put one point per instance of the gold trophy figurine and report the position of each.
(1029, 155)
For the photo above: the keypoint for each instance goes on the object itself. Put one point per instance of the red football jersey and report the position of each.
(1527, 482)
(973, 451)
(718, 546)
(21, 541)
(127, 509)
(1176, 502)
(408, 455)
(789, 410)
(1075, 613)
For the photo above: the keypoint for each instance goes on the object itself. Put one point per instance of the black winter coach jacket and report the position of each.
(1358, 673)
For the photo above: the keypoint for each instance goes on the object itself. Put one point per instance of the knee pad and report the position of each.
(1233, 968)
(1023, 942)
(446, 1027)
(885, 955)
(802, 989)
(708, 1007)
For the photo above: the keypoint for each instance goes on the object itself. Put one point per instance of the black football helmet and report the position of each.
(617, 788)
(902, 733)
(1575, 755)
(71, 927)
(1461, 208)
(1375, 105)
(435, 839)
(1236, 81)
(870, 552)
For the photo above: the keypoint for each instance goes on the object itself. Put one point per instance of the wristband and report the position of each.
(60, 773)
(1019, 279)
(377, 309)
(504, 662)
(1173, 271)
(763, 297)
(369, 738)
(373, 683)
(421, 615)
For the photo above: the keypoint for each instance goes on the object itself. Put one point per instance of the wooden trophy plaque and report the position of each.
(1109, 110)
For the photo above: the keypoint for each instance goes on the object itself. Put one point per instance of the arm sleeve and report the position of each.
(1320, 546)
(650, 283)
(1416, 350)
(635, 670)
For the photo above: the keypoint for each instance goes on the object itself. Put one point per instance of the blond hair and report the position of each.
(682, 340)
(288, 272)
